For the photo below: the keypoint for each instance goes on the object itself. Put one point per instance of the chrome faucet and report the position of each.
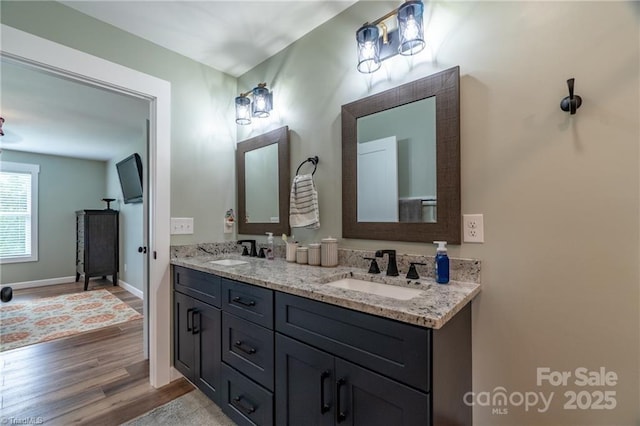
(254, 252)
(392, 267)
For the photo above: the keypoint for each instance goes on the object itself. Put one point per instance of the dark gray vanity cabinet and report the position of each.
(184, 344)
(247, 353)
(314, 387)
(267, 357)
(305, 384)
(196, 328)
(318, 373)
(338, 366)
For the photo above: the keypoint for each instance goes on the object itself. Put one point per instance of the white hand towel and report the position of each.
(303, 203)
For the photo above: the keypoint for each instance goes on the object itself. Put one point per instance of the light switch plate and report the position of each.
(473, 228)
(181, 225)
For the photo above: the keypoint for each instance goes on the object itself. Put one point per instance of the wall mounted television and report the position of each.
(130, 174)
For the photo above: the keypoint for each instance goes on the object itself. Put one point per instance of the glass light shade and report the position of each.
(243, 110)
(411, 28)
(368, 49)
(261, 102)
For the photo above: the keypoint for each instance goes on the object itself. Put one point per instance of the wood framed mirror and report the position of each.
(262, 167)
(403, 146)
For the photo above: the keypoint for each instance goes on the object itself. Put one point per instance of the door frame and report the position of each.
(88, 69)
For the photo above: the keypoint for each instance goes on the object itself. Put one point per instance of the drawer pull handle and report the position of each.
(248, 349)
(342, 415)
(189, 312)
(195, 312)
(244, 302)
(236, 403)
(324, 407)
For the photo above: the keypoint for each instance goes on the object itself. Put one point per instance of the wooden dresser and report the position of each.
(97, 245)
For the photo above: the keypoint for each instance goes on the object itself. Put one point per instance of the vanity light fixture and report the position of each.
(376, 42)
(260, 107)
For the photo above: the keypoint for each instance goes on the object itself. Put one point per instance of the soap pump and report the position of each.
(442, 263)
(270, 254)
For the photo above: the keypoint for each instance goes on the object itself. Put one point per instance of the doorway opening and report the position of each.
(87, 69)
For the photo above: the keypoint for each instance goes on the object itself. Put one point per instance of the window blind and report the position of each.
(15, 214)
(18, 207)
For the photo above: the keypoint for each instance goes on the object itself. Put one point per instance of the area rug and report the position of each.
(41, 320)
(193, 408)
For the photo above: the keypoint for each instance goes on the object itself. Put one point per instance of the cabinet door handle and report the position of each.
(195, 312)
(189, 312)
(236, 403)
(241, 301)
(324, 407)
(342, 415)
(244, 348)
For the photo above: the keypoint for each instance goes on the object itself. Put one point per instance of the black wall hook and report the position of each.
(571, 103)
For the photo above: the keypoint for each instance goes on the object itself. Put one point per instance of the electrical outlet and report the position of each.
(473, 228)
(181, 225)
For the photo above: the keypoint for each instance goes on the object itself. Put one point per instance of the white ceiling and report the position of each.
(230, 36)
(48, 114)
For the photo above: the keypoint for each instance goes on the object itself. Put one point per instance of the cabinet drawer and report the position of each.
(249, 302)
(397, 350)
(199, 285)
(248, 348)
(244, 401)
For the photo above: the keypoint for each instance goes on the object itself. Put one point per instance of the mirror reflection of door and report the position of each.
(378, 180)
(261, 183)
(413, 126)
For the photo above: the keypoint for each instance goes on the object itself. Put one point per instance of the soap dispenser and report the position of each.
(442, 263)
(270, 254)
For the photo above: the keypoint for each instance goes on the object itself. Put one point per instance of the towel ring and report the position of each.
(312, 160)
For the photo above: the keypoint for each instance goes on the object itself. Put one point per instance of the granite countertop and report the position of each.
(436, 305)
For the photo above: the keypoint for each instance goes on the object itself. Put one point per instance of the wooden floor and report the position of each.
(99, 377)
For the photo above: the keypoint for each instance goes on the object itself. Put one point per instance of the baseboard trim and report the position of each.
(40, 283)
(131, 289)
(175, 374)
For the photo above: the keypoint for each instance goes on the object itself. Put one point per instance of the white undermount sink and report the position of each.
(228, 262)
(393, 291)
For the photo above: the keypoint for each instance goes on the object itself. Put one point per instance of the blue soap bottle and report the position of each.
(442, 263)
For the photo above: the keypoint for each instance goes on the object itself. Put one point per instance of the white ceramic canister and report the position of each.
(302, 255)
(329, 256)
(314, 254)
(291, 252)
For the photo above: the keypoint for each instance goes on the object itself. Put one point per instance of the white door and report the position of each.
(378, 180)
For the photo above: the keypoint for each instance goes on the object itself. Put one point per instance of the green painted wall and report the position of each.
(203, 132)
(560, 194)
(131, 217)
(65, 185)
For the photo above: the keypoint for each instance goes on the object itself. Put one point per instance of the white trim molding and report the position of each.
(40, 283)
(71, 63)
(32, 244)
(131, 289)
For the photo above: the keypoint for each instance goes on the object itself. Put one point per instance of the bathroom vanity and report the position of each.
(271, 342)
